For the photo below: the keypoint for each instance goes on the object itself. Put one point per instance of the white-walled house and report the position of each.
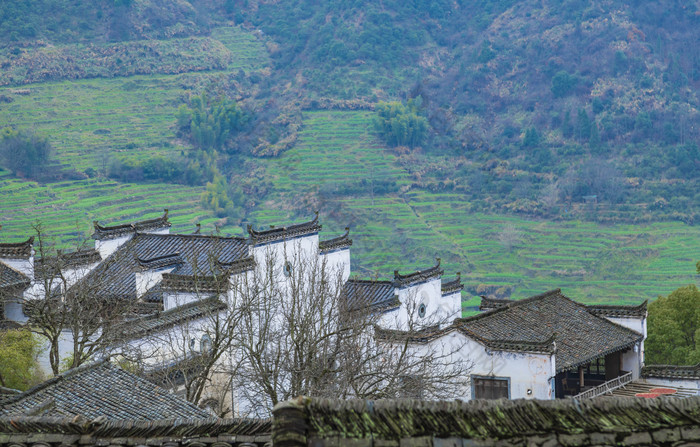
(543, 347)
(409, 302)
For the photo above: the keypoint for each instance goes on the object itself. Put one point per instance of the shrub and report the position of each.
(401, 124)
(563, 84)
(23, 152)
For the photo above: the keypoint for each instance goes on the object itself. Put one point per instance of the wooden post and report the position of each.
(580, 378)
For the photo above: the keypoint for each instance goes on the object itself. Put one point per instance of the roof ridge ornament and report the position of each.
(114, 231)
(336, 243)
(419, 276)
(275, 234)
(17, 250)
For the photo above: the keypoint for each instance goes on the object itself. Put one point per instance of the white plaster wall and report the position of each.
(339, 260)
(451, 307)
(428, 293)
(390, 319)
(149, 278)
(632, 361)
(14, 312)
(73, 275)
(175, 299)
(690, 384)
(24, 266)
(526, 371)
(637, 324)
(162, 347)
(303, 248)
(65, 349)
(109, 246)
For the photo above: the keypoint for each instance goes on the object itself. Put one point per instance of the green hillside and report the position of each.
(561, 147)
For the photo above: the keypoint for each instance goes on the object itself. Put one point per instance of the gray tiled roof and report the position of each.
(51, 265)
(691, 372)
(580, 335)
(282, 233)
(619, 311)
(115, 231)
(190, 254)
(492, 303)
(191, 311)
(417, 277)
(11, 278)
(336, 243)
(100, 389)
(452, 286)
(362, 293)
(17, 250)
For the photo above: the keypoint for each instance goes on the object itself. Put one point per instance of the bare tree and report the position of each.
(549, 195)
(300, 335)
(65, 310)
(188, 347)
(510, 237)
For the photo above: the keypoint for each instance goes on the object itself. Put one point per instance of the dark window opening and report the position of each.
(487, 388)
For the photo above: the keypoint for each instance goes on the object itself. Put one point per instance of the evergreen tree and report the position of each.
(583, 125)
(674, 328)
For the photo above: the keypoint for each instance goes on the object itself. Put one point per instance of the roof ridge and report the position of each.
(193, 236)
(418, 276)
(370, 281)
(452, 286)
(341, 241)
(512, 303)
(113, 231)
(157, 258)
(136, 331)
(614, 310)
(585, 307)
(17, 250)
(277, 233)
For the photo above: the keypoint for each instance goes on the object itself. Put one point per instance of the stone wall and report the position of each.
(604, 421)
(308, 422)
(55, 432)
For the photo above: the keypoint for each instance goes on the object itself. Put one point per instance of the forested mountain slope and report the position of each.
(236, 111)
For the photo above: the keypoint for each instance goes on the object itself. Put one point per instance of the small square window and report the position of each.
(490, 388)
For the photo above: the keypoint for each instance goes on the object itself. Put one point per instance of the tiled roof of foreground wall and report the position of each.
(100, 390)
(115, 231)
(691, 372)
(214, 432)
(286, 232)
(17, 250)
(304, 422)
(579, 334)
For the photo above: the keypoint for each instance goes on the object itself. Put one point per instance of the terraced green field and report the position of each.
(89, 122)
(338, 167)
(66, 210)
(406, 230)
